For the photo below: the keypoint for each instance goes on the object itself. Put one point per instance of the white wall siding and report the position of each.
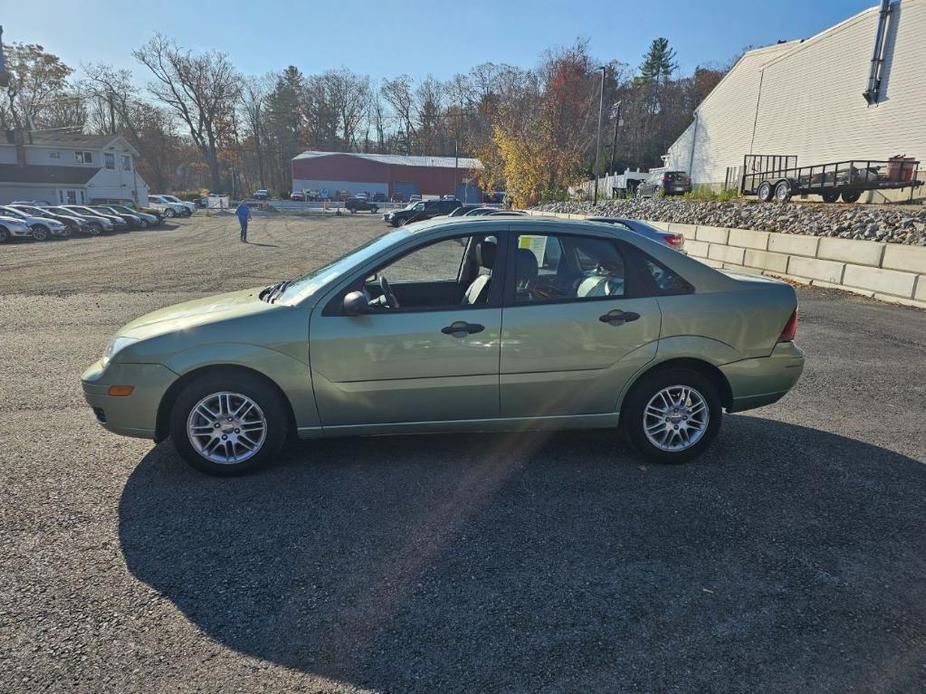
(820, 114)
(722, 131)
(21, 191)
(805, 99)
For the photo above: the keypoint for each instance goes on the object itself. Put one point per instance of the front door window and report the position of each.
(454, 272)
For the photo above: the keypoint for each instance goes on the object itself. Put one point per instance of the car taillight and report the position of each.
(675, 240)
(790, 330)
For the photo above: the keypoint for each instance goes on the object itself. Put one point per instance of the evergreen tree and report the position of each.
(658, 63)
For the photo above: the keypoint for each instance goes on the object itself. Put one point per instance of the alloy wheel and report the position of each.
(226, 428)
(675, 418)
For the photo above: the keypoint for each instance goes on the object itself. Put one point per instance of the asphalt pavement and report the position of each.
(791, 557)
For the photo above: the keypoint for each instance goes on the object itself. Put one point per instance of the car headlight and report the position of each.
(116, 345)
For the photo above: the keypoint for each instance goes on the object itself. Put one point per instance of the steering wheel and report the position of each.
(393, 302)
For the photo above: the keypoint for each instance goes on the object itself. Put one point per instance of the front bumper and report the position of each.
(130, 415)
(764, 380)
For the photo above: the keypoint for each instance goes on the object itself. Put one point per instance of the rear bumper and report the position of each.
(762, 381)
(131, 415)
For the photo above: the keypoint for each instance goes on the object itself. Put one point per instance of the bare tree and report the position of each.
(398, 94)
(253, 107)
(37, 79)
(349, 96)
(201, 90)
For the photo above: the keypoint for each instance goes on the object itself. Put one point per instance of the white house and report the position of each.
(63, 167)
(805, 98)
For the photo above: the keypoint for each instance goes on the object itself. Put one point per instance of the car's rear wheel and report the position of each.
(4, 235)
(228, 423)
(672, 415)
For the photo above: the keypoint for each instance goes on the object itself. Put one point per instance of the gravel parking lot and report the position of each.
(791, 557)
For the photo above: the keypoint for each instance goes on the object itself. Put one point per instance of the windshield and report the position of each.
(305, 286)
(31, 210)
(9, 212)
(171, 198)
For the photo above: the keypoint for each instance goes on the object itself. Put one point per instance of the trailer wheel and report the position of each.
(830, 196)
(851, 196)
(783, 191)
(764, 193)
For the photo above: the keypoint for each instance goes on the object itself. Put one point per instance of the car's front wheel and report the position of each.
(672, 415)
(40, 233)
(169, 213)
(227, 423)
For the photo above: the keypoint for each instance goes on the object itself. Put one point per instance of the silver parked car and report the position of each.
(669, 238)
(43, 229)
(12, 227)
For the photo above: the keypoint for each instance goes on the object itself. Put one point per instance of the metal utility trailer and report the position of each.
(774, 176)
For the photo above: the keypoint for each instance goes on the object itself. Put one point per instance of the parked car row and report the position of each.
(171, 205)
(43, 222)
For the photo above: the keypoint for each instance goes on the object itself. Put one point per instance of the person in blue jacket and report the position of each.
(244, 214)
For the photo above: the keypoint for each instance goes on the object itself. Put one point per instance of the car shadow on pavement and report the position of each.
(785, 556)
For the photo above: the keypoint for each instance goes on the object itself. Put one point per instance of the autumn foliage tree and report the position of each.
(544, 145)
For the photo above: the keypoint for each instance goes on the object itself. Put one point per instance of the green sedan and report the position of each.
(486, 324)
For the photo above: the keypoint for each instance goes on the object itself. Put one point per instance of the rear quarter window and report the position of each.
(657, 279)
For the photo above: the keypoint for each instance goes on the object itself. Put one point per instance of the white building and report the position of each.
(61, 167)
(804, 98)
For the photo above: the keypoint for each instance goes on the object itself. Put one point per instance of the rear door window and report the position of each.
(550, 267)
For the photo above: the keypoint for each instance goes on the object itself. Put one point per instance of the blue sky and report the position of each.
(387, 38)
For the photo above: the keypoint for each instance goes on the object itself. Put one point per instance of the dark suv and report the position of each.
(669, 182)
(360, 205)
(423, 209)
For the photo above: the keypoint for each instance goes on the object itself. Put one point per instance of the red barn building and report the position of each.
(389, 174)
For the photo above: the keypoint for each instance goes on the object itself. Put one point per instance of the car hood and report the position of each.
(190, 314)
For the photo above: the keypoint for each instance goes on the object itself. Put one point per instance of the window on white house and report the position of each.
(109, 160)
(126, 162)
(84, 157)
(54, 155)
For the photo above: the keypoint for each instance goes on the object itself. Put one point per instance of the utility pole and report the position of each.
(4, 75)
(598, 135)
(616, 112)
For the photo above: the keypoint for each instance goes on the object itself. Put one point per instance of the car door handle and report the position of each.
(461, 328)
(618, 317)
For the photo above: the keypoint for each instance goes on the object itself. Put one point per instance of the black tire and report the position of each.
(830, 196)
(4, 234)
(95, 229)
(187, 212)
(169, 213)
(765, 191)
(782, 191)
(266, 397)
(633, 421)
(40, 232)
(851, 196)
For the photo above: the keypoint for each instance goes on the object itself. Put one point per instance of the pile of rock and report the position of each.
(905, 224)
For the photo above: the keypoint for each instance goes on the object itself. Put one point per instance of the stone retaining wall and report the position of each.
(889, 272)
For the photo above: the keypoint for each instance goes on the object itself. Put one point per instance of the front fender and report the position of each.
(291, 375)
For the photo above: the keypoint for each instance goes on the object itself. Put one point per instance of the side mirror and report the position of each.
(356, 304)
